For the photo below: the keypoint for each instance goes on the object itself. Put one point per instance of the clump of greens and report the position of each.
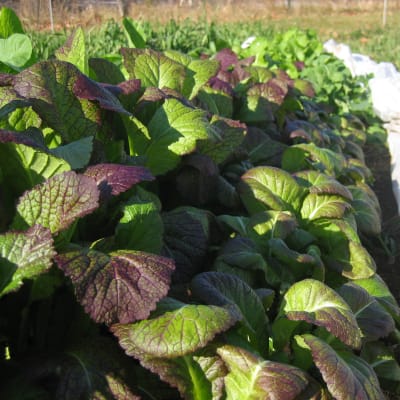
(182, 227)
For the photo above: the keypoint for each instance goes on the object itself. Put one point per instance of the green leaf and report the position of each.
(57, 202)
(176, 333)
(227, 290)
(9, 23)
(347, 376)
(77, 153)
(263, 188)
(16, 50)
(314, 302)
(174, 129)
(31, 165)
(316, 206)
(273, 224)
(141, 226)
(74, 51)
(253, 378)
(154, 69)
(123, 286)
(49, 86)
(24, 255)
(135, 38)
(374, 321)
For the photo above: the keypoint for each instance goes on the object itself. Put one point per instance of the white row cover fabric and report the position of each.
(385, 92)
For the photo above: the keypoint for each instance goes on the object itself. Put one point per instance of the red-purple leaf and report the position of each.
(115, 178)
(121, 287)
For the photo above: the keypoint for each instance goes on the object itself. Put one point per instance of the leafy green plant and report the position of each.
(176, 227)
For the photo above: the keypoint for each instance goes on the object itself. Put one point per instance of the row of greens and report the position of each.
(189, 227)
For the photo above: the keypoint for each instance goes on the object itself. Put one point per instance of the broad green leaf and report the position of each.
(141, 226)
(374, 321)
(49, 86)
(74, 51)
(229, 291)
(176, 333)
(123, 286)
(314, 302)
(320, 183)
(29, 165)
(24, 255)
(316, 206)
(378, 289)
(217, 102)
(154, 69)
(57, 202)
(9, 22)
(366, 210)
(383, 360)
(174, 129)
(273, 224)
(77, 153)
(226, 136)
(135, 38)
(16, 50)
(306, 155)
(347, 376)
(263, 188)
(253, 378)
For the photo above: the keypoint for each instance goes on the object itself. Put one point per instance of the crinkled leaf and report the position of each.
(320, 183)
(264, 188)
(366, 211)
(153, 68)
(9, 22)
(57, 202)
(186, 239)
(347, 376)
(317, 206)
(226, 136)
(115, 178)
(15, 50)
(141, 226)
(24, 255)
(303, 156)
(174, 129)
(74, 51)
(313, 301)
(77, 153)
(253, 378)
(49, 87)
(175, 333)
(374, 321)
(230, 291)
(378, 289)
(121, 287)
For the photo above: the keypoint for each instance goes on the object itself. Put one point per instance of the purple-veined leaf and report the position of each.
(24, 255)
(7, 136)
(123, 286)
(153, 68)
(314, 302)
(57, 202)
(253, 378)
(49, 88)
(374, 321)
(347, 376)
(264, 188)
(113, 179)
(174, 333)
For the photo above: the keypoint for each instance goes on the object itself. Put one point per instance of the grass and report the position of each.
(362, 30)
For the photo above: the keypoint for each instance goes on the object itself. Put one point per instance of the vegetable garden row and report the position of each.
(175, 226)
